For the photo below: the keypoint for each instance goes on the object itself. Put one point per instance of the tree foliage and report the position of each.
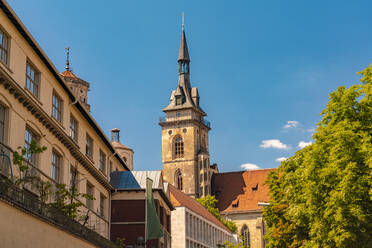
(209, 202)
(232, 245)
(64, 200)
(322, 196)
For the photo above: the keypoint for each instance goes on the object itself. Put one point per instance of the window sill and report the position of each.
(6, 66)
(89, 158)
(32, 96)
(58, 122)
(103, 173)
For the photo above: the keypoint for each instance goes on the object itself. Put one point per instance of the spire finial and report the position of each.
(183, 21)
(67, 58)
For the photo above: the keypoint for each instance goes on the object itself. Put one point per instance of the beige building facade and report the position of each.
(193, 226)
(184, 131)
(38, 104)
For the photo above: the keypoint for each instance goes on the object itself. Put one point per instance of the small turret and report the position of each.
(124, 151)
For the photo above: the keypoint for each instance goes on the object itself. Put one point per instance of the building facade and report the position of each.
(240, 196)
(184, 131)
(128, 207)
(192, 224)
(39, 105)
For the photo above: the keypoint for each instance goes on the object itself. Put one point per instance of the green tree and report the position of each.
(232, 245)
(66, 201)
(209, 202)
(322, 196)
(20, 159)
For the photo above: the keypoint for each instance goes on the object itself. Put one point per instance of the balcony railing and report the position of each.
(90, 219)
(163, 119)
(30, 203)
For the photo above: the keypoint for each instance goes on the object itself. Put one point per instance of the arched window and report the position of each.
(245, 236)
(178, 179)
(178, 147)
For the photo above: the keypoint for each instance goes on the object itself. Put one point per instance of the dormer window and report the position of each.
(178, 100)
(255, 187)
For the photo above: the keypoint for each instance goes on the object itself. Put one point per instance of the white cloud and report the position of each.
(249, 166)
(291, 124)
(310, 130)
(303, 144)
(273, 143)
(281, 159)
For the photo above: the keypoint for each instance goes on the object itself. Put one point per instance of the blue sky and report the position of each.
(257, 64)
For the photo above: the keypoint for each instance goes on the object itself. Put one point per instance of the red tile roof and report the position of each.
(69, 74)
(179, 199)
(243, 189)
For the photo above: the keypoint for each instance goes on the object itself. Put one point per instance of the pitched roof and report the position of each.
(69, 73)
(184, 51)
(184, 86)
(243, 189)
(179, 199)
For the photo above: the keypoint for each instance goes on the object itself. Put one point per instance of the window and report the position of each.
(102, 204)
(74, 128)
(56, 167)
(4, 47)
(89, 146)
(30, 137)
(245, 236)
(3, 123)
(90, 191)
(102, 162)
(178, 100)
(200, 165)
(178, 147)
(206, 191)
(32, 80)
(255, 187)
(74, 179)
(178, 179)
(57, 107)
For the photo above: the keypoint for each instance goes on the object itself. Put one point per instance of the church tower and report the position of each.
(78, 86)
(184, 132)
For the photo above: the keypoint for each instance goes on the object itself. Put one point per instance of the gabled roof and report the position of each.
(180, 199)
(243, 189)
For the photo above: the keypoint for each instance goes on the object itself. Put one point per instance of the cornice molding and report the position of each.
(47, 121)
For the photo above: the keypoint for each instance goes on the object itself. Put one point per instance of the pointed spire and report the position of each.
(67, 59)
(183, 55)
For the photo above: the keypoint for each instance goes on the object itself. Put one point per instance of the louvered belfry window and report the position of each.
(178, 147)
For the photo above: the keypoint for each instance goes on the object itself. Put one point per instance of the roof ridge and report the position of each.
(242, 171)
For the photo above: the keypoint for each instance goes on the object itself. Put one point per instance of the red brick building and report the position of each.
(128, 207)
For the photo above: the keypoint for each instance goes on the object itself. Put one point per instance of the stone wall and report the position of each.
(19, 229)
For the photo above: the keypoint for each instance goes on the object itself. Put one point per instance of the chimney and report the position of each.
(115, 135)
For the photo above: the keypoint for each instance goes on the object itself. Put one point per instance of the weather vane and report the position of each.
(67, 58)
(183, 20)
